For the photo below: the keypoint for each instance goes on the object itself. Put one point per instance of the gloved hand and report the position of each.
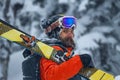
(29, 41)
(26, 53)
(86, 60)
(60, 57)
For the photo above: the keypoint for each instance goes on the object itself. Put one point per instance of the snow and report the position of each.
(88, 40)
(0, 71)
(103, 29)
(34, 29)
(85, 20)
(118, 48)
(63, 1)
(15, 66)
(29, 7)
(117, 77)
(66, 1)
(17, 1)
(83, 4)
(111, 40)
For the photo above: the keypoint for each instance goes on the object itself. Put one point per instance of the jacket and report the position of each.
(50, 70)
(35, 67)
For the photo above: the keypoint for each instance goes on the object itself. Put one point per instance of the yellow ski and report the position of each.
(11, 33)
(96, 74)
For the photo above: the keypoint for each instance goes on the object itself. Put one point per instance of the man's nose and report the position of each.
(70, 34)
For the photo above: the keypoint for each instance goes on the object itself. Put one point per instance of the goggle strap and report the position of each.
(52, 26)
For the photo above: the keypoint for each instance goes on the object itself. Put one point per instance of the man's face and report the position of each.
(66, 36)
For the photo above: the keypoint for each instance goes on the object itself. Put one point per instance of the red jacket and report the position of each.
(50, 70)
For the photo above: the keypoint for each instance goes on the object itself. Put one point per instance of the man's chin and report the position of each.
(68, 42)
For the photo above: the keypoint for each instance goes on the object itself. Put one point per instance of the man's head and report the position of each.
(62, 28)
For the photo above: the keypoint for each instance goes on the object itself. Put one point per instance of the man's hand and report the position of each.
(86, 60)
(29, 41)
(60, 57)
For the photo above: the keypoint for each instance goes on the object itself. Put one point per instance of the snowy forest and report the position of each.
(97, 32)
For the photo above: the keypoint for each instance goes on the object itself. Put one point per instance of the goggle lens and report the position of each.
(68, 22)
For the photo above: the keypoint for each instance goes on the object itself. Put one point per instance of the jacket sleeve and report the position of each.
(53, 71)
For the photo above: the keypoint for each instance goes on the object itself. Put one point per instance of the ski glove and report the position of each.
(86, 60)
(60, 57)
(29, 41)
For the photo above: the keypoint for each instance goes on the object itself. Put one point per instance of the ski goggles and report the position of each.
(63, 22)
(67, 22)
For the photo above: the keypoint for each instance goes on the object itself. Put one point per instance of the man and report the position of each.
(60, 30)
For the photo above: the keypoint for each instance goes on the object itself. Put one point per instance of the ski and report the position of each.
(96, 74)
(15, 35)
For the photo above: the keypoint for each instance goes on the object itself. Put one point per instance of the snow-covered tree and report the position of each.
(97, 32)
